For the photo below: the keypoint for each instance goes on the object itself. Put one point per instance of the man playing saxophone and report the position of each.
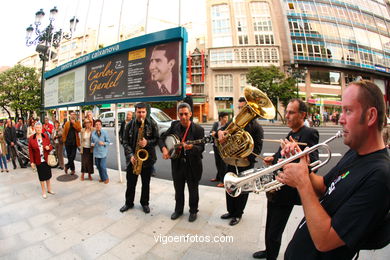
(280, 203)
(139, 141)
(236, 205)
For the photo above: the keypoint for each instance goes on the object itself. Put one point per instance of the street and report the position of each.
(163, 167)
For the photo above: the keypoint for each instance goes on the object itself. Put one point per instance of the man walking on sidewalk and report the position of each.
(72, 140)
(10, 138)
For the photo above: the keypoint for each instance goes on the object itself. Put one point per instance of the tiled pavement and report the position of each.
(82, 221)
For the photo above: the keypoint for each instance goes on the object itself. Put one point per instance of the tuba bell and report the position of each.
(239, 143)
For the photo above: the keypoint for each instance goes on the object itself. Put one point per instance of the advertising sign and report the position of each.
(146, 72)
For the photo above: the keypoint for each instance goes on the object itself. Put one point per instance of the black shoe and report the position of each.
(66, 169)
(260, 254)
(176, 215)
(146, 209)
(226, 216)
(192, 217)
(234, 221)
(125, 208)
(23, 166)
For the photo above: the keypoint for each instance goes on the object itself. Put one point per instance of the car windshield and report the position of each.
(161, 116)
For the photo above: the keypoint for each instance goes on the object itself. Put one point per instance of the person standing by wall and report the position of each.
(10, 138)
(100, 142)
(3, 151)
(58, 144)
(72, 140)
(86, 149)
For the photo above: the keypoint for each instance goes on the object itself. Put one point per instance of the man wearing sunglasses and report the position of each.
(187, 167)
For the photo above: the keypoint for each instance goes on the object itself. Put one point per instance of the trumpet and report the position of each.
(259, 180)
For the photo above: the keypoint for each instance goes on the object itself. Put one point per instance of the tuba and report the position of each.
(140, 154)
(239, 143)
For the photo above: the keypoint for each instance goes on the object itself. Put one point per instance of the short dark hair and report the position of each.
(140, 105)
(371, 96)
(184, 105)
(301, 105)
(241, 99)
(98, 120)
(222, 114)
(170, 53)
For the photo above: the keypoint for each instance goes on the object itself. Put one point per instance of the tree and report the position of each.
(20, 90)
(272, 81)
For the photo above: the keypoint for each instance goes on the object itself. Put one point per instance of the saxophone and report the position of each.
(140, 154)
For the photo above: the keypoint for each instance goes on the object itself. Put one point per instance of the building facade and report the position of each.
(325, 44)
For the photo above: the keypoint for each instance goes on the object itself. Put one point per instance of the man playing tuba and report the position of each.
(236, 205)
(132, 144)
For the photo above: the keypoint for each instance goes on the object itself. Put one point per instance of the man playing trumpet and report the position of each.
(354, 194)
(280, 203)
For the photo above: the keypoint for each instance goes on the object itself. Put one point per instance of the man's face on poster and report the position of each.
(159, 67)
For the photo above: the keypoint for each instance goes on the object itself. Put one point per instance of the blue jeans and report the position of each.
(102, 168)
(3, 161)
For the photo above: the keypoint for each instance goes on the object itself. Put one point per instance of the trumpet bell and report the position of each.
(230, 187)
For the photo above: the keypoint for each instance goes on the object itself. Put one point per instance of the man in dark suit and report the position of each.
(187, 168)
(236, 205)
(280, 203)
(163, 80)
(223, 118)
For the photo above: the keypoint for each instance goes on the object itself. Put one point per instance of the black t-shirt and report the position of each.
(357, 199)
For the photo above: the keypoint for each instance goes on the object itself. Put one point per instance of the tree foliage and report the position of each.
(272, 81)
(20, 90)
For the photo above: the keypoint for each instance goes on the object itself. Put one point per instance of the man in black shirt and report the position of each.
(10, 139)
(354, 194)
(71, 139)
(148, 142)
(187, 167)
(236, 205)
(280, 203)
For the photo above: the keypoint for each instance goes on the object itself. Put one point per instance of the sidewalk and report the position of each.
(82, 221)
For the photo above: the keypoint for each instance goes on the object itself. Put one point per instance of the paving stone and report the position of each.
(134, 246)
(36, 234)
(13, 229)
(41, 219)
(63, 241)
(96, 245)
(38, 252)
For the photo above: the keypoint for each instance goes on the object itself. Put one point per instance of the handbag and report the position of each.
(52, 159)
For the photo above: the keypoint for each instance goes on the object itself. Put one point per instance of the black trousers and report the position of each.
(132, 184)
(14, 155)
(235, 206)
(179, 181)
(71, 155)
(220, 164)
(277, 217)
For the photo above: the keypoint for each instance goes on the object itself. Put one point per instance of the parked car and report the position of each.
(162, 120)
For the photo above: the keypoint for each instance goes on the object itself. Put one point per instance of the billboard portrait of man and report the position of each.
(163, 68)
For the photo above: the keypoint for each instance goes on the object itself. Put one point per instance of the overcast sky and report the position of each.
(17, 15)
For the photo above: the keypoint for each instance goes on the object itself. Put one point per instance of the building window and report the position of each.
(224, 83)
(243, 82)
(325, 77)
(220, 25)
(264, 39)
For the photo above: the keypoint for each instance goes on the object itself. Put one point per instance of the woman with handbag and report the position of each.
(58, 144)
(86, 150)
(39, 147)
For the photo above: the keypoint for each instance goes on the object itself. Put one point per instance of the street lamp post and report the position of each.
(44, 39)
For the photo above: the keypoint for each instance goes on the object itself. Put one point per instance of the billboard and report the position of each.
(151, 67)
(146, 72)
(66, 88)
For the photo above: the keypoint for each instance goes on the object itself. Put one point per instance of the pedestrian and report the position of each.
(235, 205)
(47, 127)
(100, 142)
(187, 167)
(386, 135)
(10, 138)
(89, 116)
(3, 152)
(39, 147)
(30, 127)
(21, 129)
(71, 139)
(139, 146)
(86, 150)
(58, 143)
(347, 207)
(223, 118)
(280, 203)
